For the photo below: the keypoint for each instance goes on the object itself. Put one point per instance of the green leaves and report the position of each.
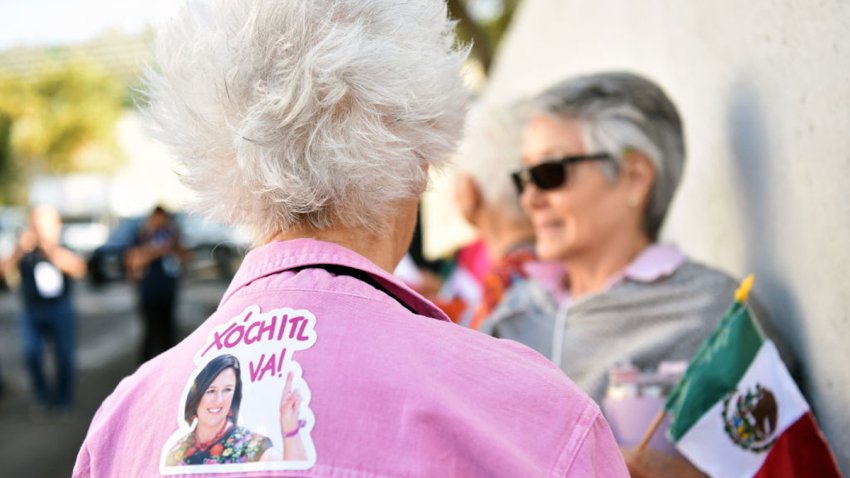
(59, 120)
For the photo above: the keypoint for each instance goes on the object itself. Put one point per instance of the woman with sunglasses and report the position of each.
(603, 155)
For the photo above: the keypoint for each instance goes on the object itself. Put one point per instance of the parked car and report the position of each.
(82, 234)
(214, 249)
(106, 262)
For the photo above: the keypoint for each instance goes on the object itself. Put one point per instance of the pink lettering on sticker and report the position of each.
(267, 366)
(217, 340)
(283, 322)
(252, 371)
(293, 329)
(234, 337)
(268, 327)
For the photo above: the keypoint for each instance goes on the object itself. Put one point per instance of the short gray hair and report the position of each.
(307, 113)
(619, 112)
(491, 149)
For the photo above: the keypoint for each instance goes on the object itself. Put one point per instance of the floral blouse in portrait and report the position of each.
(236, 445)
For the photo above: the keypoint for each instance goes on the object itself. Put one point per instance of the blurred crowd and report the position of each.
(42, 265)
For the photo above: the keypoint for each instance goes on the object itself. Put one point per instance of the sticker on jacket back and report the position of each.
(246, 406)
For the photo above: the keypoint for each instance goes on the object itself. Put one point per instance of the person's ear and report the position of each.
(638, 175)
(468, 198)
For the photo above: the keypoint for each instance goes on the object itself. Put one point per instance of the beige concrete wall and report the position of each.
(764, 88)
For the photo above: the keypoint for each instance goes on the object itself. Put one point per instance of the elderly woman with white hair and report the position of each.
(603, 156)
(490, 150)
(314, 124)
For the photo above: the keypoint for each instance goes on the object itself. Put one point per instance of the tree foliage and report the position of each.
(485, 35)
(61, 120)
(7, 171)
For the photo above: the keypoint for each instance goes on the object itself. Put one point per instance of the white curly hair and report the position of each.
(491, 149)
(307, 113)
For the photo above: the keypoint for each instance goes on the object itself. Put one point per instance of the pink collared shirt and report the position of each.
(386, 386)
(655, 262)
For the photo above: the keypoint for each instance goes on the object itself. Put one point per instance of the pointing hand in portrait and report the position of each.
(290, 425)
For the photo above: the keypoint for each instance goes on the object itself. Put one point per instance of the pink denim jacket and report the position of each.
(375, 380)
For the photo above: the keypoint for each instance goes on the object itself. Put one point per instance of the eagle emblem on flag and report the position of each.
(750, 418)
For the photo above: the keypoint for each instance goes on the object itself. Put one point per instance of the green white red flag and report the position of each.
(737, 411)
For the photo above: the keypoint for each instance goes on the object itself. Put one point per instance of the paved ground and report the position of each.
(108, 337)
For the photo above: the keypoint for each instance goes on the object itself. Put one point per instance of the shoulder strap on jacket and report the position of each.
(362, 276)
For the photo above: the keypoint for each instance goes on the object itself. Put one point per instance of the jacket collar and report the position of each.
(281, 256)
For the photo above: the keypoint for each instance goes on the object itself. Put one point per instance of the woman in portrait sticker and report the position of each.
(212, 412)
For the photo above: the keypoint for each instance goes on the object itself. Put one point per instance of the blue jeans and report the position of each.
(54, 322)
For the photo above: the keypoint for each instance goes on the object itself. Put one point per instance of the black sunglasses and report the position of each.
(552, 173)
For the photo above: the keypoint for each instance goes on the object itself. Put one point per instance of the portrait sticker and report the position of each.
(246, 405)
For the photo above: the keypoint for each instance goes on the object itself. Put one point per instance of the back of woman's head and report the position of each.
(619, 112)
(307, 113)
(491, 150)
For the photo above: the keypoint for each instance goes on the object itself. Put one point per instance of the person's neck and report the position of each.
(501, 234)
(382, 249)
(205, 435)
(592, 272)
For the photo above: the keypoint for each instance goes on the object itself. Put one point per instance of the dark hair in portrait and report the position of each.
(203, 381)
(159, 209)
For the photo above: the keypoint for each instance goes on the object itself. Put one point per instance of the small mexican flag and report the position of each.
(738, 412)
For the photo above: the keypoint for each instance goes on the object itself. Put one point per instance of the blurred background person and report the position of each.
(154, 265)
(487, 199)
(2, 381)
(459, 282)
(454, 283)
(422, 274)
(314, 124)
(47, 270)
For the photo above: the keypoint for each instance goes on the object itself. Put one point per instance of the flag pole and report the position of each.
(653, 427)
